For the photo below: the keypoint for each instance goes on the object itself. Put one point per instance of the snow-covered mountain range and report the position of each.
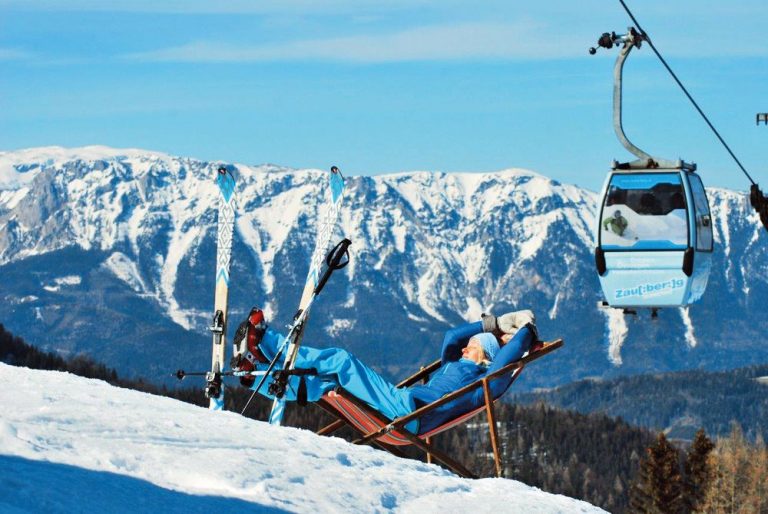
(71, 444)
(112, 252)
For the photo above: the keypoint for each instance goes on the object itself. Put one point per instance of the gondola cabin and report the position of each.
(654, 237)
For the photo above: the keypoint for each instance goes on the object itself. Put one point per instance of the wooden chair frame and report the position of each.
(391, 433)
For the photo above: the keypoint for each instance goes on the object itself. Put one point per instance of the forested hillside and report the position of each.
(679, 403)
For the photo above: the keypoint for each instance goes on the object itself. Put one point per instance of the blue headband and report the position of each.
(489, 343)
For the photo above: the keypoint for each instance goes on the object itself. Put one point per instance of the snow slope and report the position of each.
(69, 444)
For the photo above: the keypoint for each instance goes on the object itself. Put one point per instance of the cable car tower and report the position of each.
(654, 236)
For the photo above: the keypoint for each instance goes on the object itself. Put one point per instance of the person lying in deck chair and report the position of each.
(469, 352)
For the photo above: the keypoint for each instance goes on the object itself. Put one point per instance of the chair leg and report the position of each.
(492, 426)
(329, 429)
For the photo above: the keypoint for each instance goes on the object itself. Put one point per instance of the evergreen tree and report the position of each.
(640, 495)
(697, 472)
(665, 479)
(658, 488)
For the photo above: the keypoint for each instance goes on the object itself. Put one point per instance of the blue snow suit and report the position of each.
(338, 367)
(457, 372)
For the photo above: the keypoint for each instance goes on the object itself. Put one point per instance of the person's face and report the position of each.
(473, 351)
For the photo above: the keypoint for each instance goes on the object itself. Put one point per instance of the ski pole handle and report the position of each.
(334, 262)
(333, 259)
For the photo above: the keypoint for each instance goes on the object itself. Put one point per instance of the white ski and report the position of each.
(226, 225)
(324, 233)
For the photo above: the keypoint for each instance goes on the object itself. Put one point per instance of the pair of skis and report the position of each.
(312, 287)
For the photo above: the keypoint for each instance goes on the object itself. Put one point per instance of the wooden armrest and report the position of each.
(421, 374)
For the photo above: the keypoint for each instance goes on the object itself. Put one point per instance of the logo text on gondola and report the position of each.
(651, 289)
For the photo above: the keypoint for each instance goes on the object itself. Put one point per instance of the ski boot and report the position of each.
(246, 353)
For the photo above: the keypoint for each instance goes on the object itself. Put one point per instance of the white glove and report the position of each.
(513, 321)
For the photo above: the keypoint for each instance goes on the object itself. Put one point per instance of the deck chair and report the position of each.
(388, 434)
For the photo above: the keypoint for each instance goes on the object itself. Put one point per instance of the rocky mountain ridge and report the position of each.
(111, 252)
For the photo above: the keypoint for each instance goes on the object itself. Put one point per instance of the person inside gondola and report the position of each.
(617, 223)
(469, 352)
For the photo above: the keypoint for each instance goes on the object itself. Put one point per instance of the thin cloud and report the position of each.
(522, 40)
(11, 54)
(208, 7)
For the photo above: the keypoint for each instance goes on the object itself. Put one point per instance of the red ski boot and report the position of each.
(246, 353)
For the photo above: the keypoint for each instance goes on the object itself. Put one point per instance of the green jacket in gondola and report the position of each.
(617, 222)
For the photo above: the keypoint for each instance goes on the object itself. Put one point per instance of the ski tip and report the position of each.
(226, 181)
(225, 170)
(337, 183)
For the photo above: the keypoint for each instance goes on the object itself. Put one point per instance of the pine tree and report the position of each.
(640, 497)
(658, 487)
(665, 478)
(697, 472)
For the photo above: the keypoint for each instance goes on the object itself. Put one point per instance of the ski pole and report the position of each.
(181, 374)
(333, 261)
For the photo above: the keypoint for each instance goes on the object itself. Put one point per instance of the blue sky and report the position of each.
(378, 86)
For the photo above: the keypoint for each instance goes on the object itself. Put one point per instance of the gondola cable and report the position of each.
(647, 39)
(757, 198)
